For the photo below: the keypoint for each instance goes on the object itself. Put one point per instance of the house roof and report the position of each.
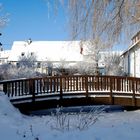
(135, 35)
(135, 43)
(131, 47)
(47, 50)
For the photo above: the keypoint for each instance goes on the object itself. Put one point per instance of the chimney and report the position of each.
(81, 50)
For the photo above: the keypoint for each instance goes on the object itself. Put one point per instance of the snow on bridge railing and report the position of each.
(73, 85)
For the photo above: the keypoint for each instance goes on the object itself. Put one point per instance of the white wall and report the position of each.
(132, 66)
(135, 62)
(4, 56)
(137, 54)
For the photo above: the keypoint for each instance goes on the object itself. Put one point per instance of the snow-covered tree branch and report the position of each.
(113, 64)
(3, 17)
(105, 19)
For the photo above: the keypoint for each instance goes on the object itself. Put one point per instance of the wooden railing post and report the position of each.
(61, 87)
(111, 97)
(61, 92)
(32, 89)
(133, 96)
(5, 88)
(86, 85)
(118, 84)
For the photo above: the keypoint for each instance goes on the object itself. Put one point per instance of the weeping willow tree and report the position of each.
(108, 20)
(104, 19)
(101, 22)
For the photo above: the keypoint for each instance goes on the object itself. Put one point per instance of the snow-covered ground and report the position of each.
(92, 126)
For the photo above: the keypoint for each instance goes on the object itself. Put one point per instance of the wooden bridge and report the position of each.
(46, 92)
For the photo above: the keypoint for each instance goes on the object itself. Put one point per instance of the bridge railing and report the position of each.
(75, 85)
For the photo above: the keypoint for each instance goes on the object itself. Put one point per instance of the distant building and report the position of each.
(51, 55)
(131, 57)
(4, 54)
(47, 53)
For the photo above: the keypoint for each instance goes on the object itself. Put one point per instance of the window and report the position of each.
(18, 65)
(22, 54)
(32, 53)
(38, 65)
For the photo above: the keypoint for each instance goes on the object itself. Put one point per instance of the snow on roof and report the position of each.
(47, 50)
(131, 47)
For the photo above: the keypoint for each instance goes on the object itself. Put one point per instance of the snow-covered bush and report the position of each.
(86, 68)
(113, 65)
(75, 121)
(25, 68)
(7, 71)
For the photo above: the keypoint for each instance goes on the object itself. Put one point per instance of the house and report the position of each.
(53, 55)
(4, 54)
(131, 57)
(56, 53)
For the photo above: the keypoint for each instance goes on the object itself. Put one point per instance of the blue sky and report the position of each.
(32, 19)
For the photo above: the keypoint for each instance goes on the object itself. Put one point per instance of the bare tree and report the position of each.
(108, 20)
(3, 17)
(85, 68)
(5, 72)
(27, 61)
(48, 66)
(113, 64)
(105, 19)
(92, 49)
(61, 67)
(26, 66)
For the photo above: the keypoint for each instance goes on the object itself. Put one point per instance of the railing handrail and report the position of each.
(63, 76)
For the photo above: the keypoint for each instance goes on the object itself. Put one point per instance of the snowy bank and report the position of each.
(108, 126)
